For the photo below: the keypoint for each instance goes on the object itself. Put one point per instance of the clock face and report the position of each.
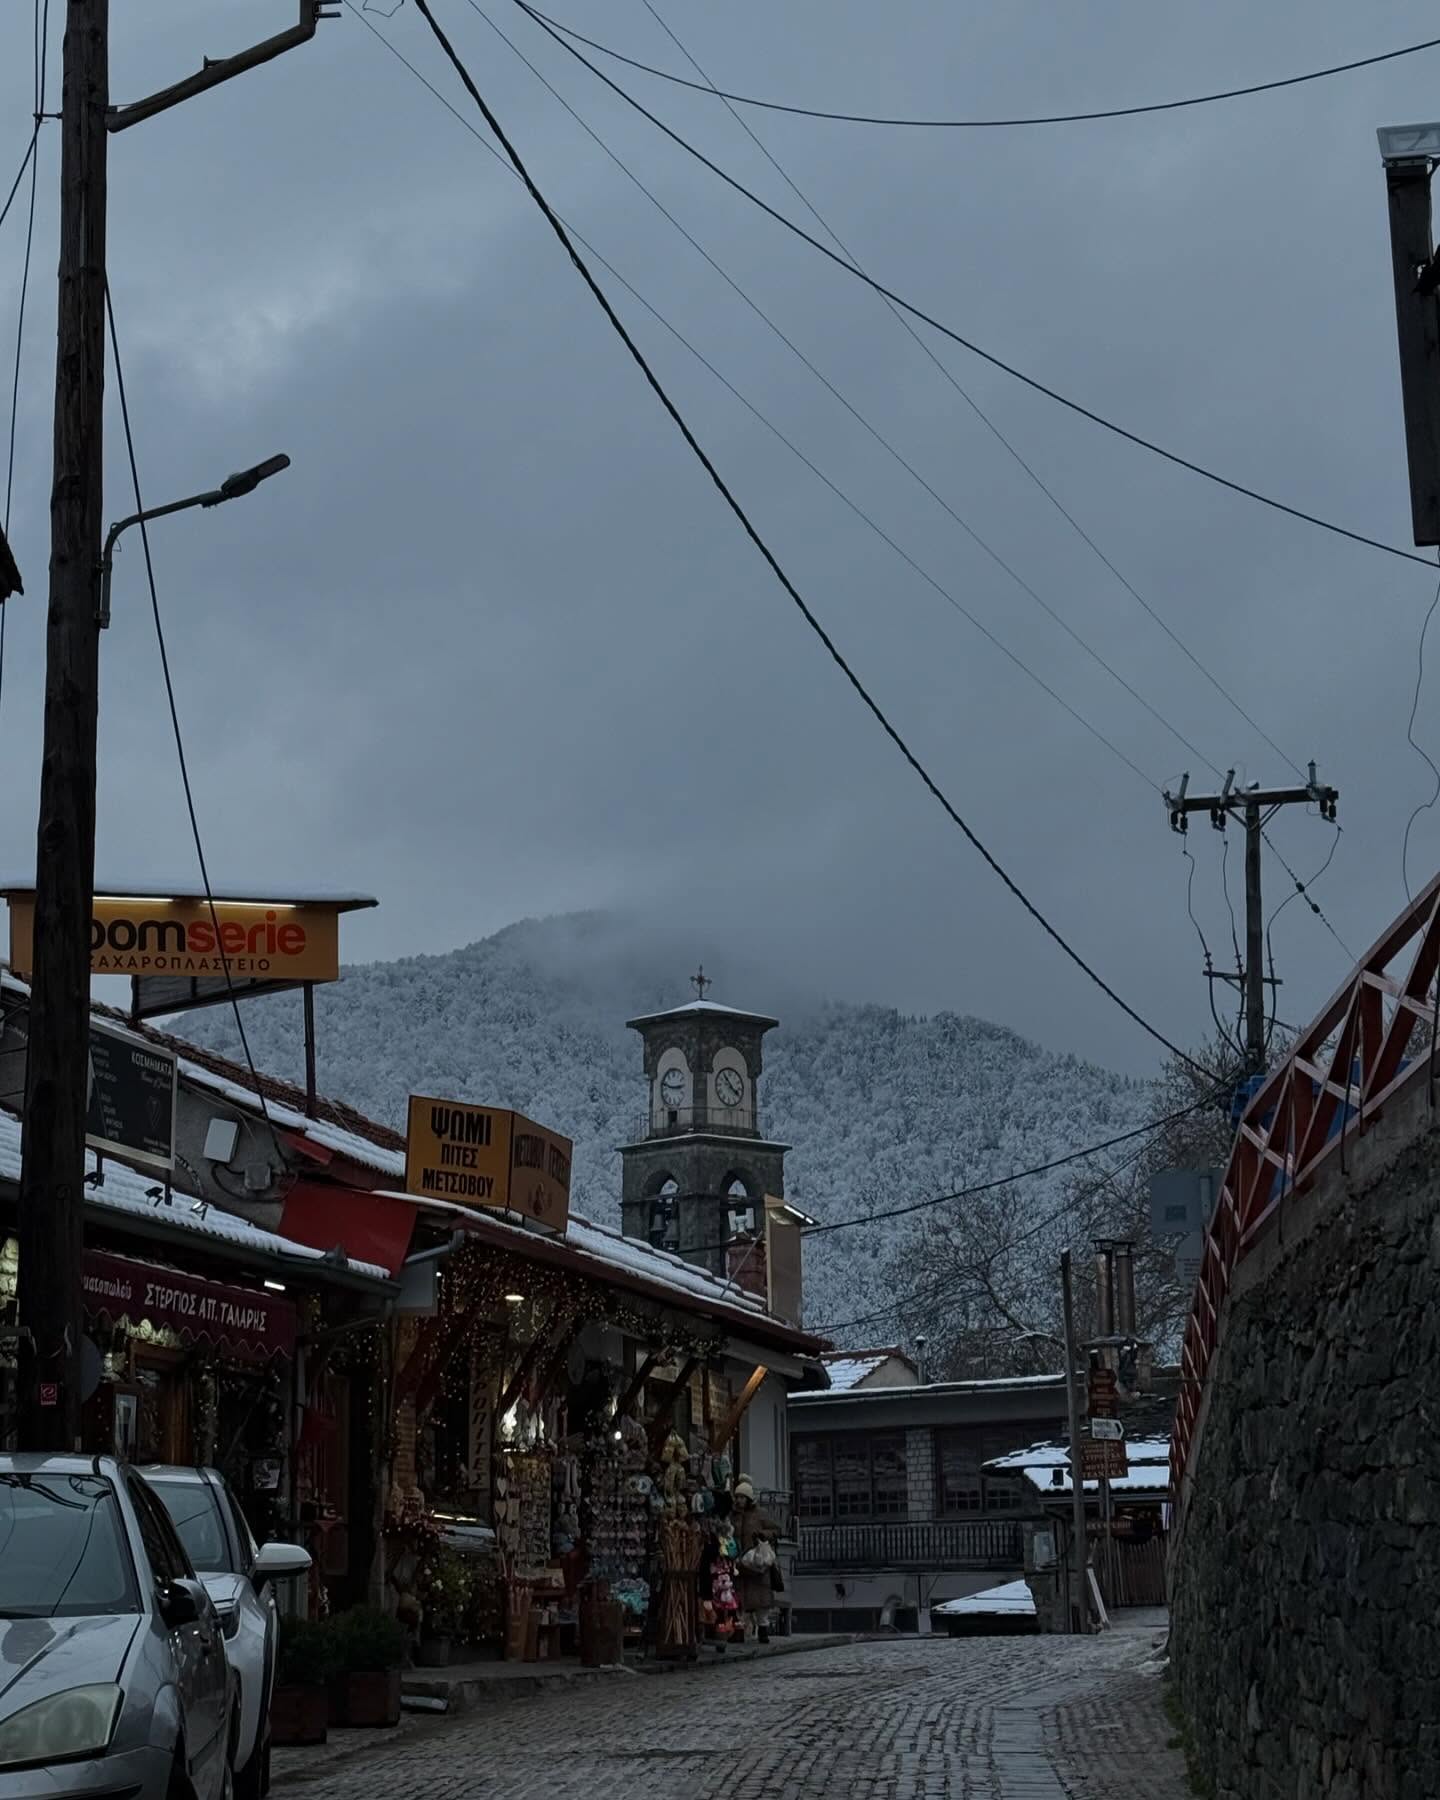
(672, 1087)
(729, 1088)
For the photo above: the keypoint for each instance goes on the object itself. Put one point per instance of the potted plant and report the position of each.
(366, 1687)
(304, 1664)
(446, 1587)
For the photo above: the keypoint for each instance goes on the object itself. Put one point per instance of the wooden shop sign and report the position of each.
(1104, 1393)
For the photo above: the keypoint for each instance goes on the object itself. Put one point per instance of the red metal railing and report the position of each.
(1338, 1077)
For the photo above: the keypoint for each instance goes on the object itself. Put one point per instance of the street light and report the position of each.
(231, 488)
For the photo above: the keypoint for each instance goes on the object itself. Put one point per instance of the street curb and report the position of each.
(792, 1646)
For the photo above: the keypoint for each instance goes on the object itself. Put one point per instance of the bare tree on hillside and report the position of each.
(979, 1278)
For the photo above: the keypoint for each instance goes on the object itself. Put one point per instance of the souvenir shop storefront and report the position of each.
(586, 1459)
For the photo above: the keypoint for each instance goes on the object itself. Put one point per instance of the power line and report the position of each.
(886, 445)
(930, 1289)
(1076, 118)
(32, 158)
(762, 418)
(1302, 888)
(986, 1187)
(998, 362)
(1424, 755)
(769, 556)
(175, 712)
(19, 176)
(949, 376)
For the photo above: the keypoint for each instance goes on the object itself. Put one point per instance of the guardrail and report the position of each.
(1331, 1088)
(912, 1544)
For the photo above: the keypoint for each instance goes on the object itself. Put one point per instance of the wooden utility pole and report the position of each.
(1080, 1548)
(1254, 806)
(52, 1175)
(52, 1179)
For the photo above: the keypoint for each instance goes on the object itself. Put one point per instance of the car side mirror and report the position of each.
(276, 1562)
(177, 1604)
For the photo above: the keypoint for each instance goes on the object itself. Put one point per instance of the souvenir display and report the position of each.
(525, 1534)
(617, 1514)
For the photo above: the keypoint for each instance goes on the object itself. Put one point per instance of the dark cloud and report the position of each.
(494, 648)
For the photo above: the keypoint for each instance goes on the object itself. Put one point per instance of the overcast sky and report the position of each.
(494, 647)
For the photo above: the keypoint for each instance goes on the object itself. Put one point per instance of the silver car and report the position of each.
(239, 1577)
(113, 1677)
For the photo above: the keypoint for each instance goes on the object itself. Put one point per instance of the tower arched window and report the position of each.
(664, 1230)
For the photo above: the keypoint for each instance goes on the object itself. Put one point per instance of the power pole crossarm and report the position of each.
(224, 68)
(1252, 806)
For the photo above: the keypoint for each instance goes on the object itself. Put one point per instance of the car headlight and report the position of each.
(229, 1617)
(79, 1722)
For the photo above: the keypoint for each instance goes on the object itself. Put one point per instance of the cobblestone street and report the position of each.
(914, 1719)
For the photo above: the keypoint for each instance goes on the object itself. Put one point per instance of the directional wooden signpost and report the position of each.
(1103, 1458)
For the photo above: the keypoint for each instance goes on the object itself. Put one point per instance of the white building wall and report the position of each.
(764, 1437)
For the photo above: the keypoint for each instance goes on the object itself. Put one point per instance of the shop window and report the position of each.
(964, 1490)
(814, 1489)
(851, 1479)
(1003, 1494)
(961, 1486)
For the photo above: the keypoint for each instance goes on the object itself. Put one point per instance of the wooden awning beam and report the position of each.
(726, 1430)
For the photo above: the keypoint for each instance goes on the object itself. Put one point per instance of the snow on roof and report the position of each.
(702, 1006)
(331, 1137)
(611, 1247)
(339, 1129)
(161, 890)
(897, 1396)
(127, 1191)
(1148, 1460)
(1013, 1599)
(848, 1369)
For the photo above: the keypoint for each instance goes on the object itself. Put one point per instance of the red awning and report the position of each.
(248, 1323)
(373, 1228)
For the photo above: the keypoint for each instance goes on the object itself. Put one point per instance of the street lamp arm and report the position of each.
(232, 488)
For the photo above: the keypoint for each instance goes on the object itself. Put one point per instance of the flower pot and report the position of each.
(432, 1652)
(299, 1715)
(366, 1698)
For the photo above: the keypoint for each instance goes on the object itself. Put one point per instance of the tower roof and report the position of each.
(703, 1009)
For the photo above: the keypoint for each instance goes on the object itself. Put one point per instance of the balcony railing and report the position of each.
(779, 1506)
(671, 1121)
(912, 1544)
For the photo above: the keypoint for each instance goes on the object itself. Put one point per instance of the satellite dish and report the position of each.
(92, 1365)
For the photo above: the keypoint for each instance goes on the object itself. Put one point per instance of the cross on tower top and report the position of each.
(700, 981)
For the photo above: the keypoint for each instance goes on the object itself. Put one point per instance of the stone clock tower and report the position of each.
(696, 1178)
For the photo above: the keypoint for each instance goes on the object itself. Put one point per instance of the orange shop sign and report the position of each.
(256, 939)
(487, 1156)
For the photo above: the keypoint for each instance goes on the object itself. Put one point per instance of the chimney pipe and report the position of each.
(1124, 1255)
(1104, 1291)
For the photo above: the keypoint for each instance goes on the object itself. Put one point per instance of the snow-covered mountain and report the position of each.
(879, 1107)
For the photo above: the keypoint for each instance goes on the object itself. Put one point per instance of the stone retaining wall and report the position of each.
(1306, 1603)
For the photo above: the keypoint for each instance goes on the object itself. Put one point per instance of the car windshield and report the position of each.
(63, 1548)
(196, 1517)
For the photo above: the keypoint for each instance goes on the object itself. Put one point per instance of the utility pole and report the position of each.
(1080, 1549)
(1255, 807)
(1409, 153)
(52, 1176)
